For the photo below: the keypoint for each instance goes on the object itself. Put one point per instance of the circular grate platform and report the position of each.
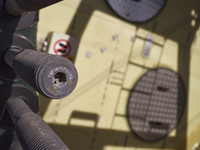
(136, 10)
(156, 104)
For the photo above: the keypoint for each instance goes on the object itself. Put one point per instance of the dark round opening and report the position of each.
(59, 79)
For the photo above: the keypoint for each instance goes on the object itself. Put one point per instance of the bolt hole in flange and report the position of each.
(59, 79)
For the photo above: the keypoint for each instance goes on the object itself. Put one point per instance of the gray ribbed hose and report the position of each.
(32, 132)
(18, 7)
(52, 76)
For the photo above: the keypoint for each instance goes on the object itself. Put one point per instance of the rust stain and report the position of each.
(70, 83)
(53, 89)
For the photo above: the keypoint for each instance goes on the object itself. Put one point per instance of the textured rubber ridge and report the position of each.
(35, 134)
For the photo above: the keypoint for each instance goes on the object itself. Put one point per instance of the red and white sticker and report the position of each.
(62, 48)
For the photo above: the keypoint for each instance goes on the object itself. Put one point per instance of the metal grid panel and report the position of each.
(136, 10)
(156, 104)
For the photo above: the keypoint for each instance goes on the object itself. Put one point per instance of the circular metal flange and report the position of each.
(17, 22)
(6, 72)
(136, 10)
(156, 104)
(58, 79)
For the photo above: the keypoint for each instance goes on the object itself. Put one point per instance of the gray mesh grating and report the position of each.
(136, 10)
(156, 104)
